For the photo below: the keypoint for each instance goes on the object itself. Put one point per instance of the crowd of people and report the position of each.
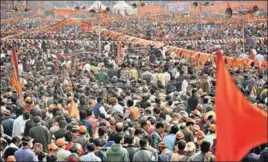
(152, 107)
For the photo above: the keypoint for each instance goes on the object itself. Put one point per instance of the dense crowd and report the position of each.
(152, 107)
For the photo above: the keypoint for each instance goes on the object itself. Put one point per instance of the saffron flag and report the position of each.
(249, 15)
(104, 18)
(120, 56)
(240, 125)
(73, 111)
(14, 60)
(85, 26)
(15, 84)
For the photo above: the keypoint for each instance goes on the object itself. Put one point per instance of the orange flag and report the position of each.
(14, 82)
(249, 15)
(85, 26)
(120, 56)
(73, 111)
(240, 125)
(104, 18)
(14, 60)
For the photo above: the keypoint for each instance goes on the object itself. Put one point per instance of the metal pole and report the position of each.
(99, 33)
(243, 36)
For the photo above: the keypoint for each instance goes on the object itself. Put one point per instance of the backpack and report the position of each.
(102, 154)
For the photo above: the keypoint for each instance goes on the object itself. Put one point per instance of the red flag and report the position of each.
(14, 60)
(240, 125)
(120, 56)
(85, 26)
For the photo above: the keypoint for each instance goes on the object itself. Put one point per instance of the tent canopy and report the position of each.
(96, 5)
(122, 6)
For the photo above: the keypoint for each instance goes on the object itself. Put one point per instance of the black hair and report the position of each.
(96, 142)
(129, 139)
(36, 119)
(15, 139)
(181, 144)
(89, 112)
(99, 99)
(156, 110)
(143, 142)
(205, 100)
(102, 131)
(90, 147)
(205, 145)
(83, 114)
(68, 136)
(159, 125)
(26, 115)
(137, 132)
(117, 138)
(174, 129)
(143, 123)
(130, 103)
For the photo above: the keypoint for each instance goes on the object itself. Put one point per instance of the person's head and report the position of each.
(97, 142)
(138, 132)
(129, 140)
(77, 148)
(212, 128)
(83, 114)
(27, 141)
(190, 147)
(146, 125)
(91, 147)
(82, 130)
(102, 131)
(130, 103)
(100, 100)
(16, 140)
(205, 145)
(181, 145)
(89, 112)
(143, 143)
(61, 142)
(162, 146)
(119, 127)
(189, 123)
(160, 127)
(174, 129)
(68, 137)
(52, 148)
(118, 138)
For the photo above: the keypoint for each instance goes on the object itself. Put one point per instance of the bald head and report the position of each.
(119, 127)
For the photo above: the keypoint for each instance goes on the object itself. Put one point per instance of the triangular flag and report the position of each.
(240, 125)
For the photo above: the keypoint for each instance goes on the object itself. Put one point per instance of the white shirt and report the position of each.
(167, 76)
(103, 111)
(184, 85)
(20, 69)
(86, 67)
(18, 126)
(117, 108)
(69, 64)
(210, 138)
(90, 157)
(259, 57)
(243, 56)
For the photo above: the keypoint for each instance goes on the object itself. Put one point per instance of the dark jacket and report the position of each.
(30, 123)
(40, 134)
(192, 103)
